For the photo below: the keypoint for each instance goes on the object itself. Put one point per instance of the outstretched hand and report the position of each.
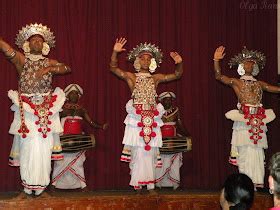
(176, 57)
(118, 47)
(219, 53)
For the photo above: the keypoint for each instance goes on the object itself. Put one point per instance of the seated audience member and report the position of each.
(238, 193)
(274, 180)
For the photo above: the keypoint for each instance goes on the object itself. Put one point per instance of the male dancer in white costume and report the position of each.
(249, 128)
(36, 107)
(142, 136)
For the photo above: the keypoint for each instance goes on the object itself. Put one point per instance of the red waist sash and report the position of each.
(168, 131)
(72, 126)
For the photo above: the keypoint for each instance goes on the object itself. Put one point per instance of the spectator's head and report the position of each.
(238, 193)
(274, 178)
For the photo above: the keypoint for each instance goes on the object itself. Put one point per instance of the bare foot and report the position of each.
(51, 188)
(85, 189)
(158, 187)
(178, 188)
(152, 192)
(22, 196)
(139, 191)
(44, 195)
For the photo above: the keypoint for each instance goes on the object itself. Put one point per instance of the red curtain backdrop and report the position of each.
(85, 31)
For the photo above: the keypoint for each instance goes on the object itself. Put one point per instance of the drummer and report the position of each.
(69, 172)
(169, 174)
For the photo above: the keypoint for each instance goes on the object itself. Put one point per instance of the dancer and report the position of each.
(36, 106)
(142, 136)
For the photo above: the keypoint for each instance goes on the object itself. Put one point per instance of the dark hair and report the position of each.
(239, 191)
(274, 168)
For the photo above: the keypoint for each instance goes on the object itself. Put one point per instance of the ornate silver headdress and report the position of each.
(246, 54)
(29, 30)
(150, 48)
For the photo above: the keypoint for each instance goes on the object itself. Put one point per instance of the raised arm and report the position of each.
(114, 67)
(219, 55)
(178, 70)
(269, 88)
(16, 57)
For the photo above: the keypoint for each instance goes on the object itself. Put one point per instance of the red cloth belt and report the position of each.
(168, 131)
(72, 126)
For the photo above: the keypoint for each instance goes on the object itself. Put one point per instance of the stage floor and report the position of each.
(116, 200)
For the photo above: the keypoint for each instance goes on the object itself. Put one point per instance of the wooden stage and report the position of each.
(117, 200)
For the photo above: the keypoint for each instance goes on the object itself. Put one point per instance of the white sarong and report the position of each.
(169, 174)
(69, 172)
(33, 153)
(142, 163)
(250, 157)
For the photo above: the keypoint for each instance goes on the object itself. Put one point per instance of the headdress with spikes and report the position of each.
(246, 54)
(35, 29)
(149, 48)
